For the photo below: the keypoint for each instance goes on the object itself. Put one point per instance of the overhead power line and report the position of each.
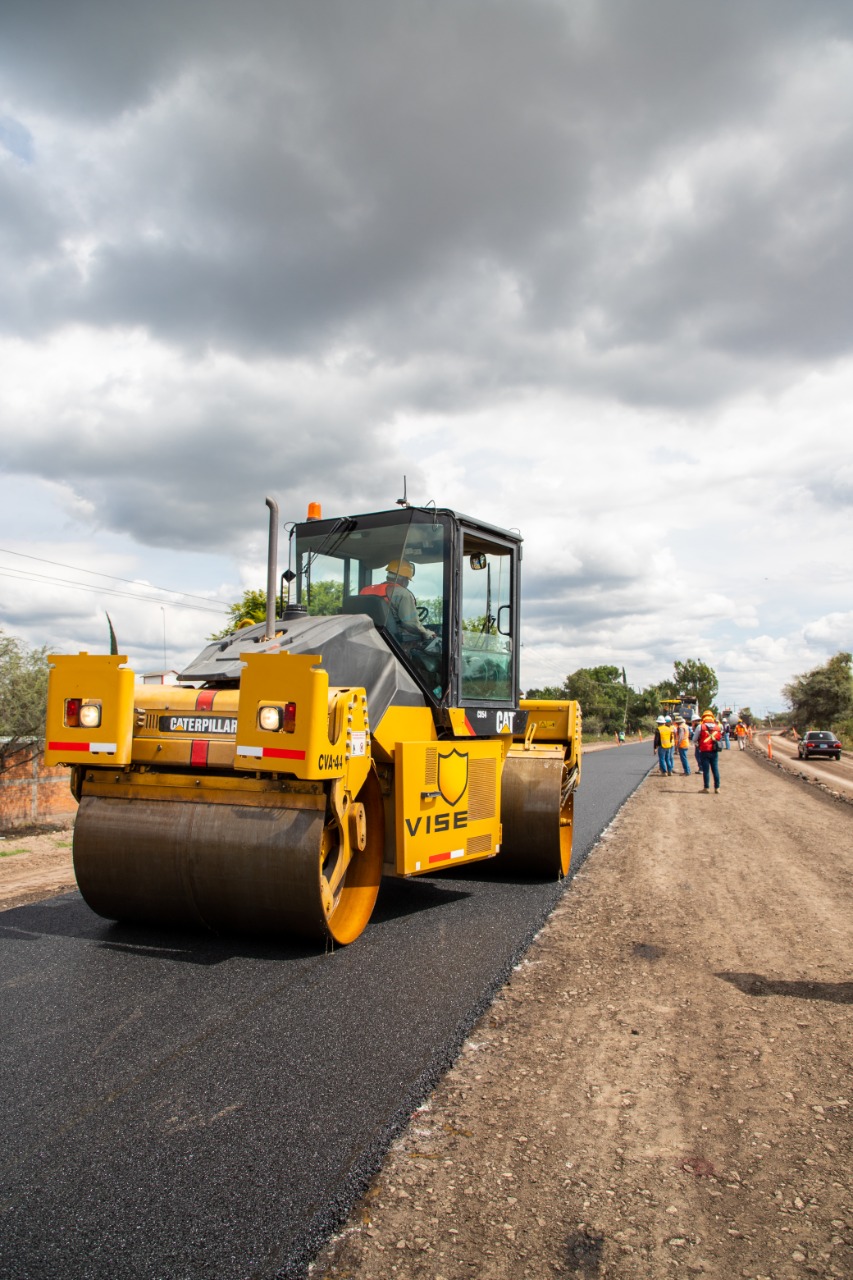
(48, 580)
(112, 577)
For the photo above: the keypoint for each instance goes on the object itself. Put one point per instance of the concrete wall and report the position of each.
(30, 792)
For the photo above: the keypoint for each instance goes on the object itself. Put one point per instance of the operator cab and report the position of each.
(441, 589)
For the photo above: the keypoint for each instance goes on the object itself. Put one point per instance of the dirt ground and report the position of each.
(665, 1085)
(35, 864)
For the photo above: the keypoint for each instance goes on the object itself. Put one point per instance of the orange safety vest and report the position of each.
(385, 590)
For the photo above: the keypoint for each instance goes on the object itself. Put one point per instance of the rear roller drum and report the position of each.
(232, 868)
(537, 813)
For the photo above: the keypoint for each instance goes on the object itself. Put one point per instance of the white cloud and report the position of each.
(830, 633)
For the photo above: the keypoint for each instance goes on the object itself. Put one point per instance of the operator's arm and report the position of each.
(406, 609)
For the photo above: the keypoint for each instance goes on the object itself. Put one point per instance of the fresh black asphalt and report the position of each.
(179, 1107)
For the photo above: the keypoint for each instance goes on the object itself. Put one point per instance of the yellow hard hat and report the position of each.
(402, 568)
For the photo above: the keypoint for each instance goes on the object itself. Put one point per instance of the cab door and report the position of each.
(487, 634)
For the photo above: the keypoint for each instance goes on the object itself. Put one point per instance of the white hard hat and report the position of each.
(660, 720)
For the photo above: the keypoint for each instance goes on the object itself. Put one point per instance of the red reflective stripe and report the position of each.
(198, 754)
(439, 857)
(68, 746)
(470, 728)
(204, 701)
(282, 753)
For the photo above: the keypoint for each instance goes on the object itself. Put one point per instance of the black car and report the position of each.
(818, 743)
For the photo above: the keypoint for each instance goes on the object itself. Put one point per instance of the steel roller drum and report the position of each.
(229, 868)
(537, 810)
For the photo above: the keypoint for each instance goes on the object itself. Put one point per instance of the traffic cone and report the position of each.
(769, 747)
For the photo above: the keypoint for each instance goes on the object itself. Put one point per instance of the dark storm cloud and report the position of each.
(588, 591)
(383, 212)
(202, 486)
(278, 181)
(279, 204)
(761, 274)
(94, 57)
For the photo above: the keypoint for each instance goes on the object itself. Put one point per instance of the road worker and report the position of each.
(401, 602)
(663, 745)
(709, 736)
(682, 742)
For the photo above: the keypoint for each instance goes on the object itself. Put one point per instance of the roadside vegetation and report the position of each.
(611, 706)
(23, 695)
(823, 698)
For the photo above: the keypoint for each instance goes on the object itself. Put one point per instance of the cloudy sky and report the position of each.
(581, 267)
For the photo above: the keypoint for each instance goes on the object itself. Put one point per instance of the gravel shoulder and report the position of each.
(664, 1087)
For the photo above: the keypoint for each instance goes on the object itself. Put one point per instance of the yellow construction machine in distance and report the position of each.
(372, 725)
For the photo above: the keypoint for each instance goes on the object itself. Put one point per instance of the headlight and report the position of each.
(278, 719)
(270, 718)
(90, 715)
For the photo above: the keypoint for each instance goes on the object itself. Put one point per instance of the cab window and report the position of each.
(344, 568)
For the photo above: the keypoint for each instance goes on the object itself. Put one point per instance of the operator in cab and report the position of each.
(401, 602)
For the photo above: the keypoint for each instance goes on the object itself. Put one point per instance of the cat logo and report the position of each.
(452, 776)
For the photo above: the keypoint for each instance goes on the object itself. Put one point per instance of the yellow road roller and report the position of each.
(370, 726)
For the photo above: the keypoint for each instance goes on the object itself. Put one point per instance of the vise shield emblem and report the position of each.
(452, 775)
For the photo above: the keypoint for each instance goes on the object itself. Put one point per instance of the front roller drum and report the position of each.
(230, 868)
(537, 813)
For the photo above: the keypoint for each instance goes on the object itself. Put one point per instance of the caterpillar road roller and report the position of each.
(370, 726)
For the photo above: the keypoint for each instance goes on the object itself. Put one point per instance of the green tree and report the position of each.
(823, 696)
(696, 679)
(644, 707)
(23, 698)
(434, 606)
(326, 597)
(607, 701)
(550, 693)
(603, 696)
(591, 687)
(250, 608)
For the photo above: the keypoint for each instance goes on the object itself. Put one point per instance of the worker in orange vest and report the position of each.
(709, 737)
(681, 730)
(403, 605)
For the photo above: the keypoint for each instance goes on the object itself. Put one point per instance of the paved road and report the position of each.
(178, 1108)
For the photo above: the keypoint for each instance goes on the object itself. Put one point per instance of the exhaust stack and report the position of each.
(272, 568)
